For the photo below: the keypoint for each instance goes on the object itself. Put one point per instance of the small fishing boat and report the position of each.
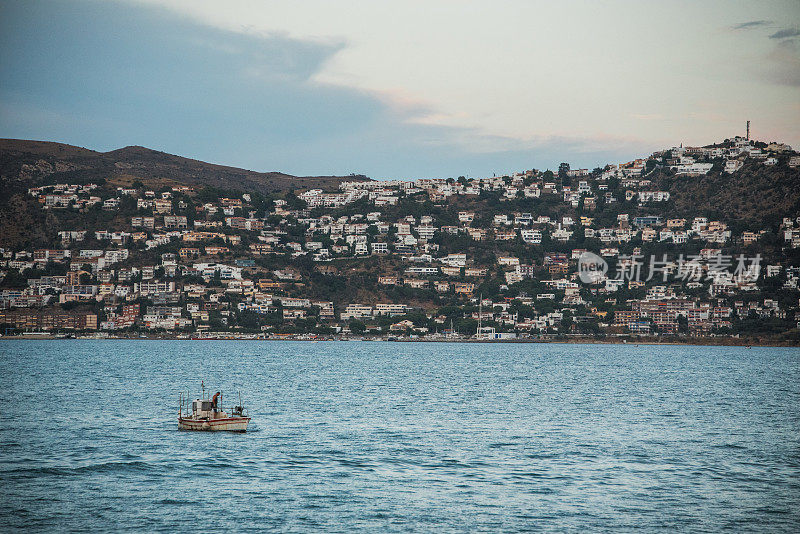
(208, 415)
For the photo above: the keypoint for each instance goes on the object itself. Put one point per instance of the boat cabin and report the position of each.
(207, 407)
(202, 408)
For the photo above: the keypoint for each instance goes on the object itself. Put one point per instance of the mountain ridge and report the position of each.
(34, 162)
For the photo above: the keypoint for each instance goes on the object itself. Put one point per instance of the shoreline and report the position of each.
(701, 342)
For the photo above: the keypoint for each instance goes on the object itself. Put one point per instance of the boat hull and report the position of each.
(227, 424)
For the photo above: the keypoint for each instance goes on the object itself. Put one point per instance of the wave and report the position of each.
(137, 466)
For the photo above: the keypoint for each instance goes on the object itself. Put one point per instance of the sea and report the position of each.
(400, 437)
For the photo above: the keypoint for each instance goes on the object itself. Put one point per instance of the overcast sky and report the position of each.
(404, 89)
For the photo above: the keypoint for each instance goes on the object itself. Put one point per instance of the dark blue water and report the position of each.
(401, 437)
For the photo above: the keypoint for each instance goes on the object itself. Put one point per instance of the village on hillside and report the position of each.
(533, 255)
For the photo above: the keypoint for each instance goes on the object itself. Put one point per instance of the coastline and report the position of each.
(650, 341)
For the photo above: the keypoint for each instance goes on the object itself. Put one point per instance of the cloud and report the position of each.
(105, 76)
(782, 64)
(784, 33)
(750, 24)
(779, 63)
(156, 79)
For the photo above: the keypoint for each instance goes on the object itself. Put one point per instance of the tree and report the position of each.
(566, 320)
(249, 320)
(294, 202)
(683, 324)
(14, 278)
(357, 327)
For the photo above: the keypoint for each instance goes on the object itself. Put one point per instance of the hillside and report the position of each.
(691, 242)
(37, 162)
(756, 194)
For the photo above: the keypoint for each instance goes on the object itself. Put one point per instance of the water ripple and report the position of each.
(402, 437)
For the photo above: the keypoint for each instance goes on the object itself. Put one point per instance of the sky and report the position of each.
(411, 89)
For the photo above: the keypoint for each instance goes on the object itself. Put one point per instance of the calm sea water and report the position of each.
(401, 437)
